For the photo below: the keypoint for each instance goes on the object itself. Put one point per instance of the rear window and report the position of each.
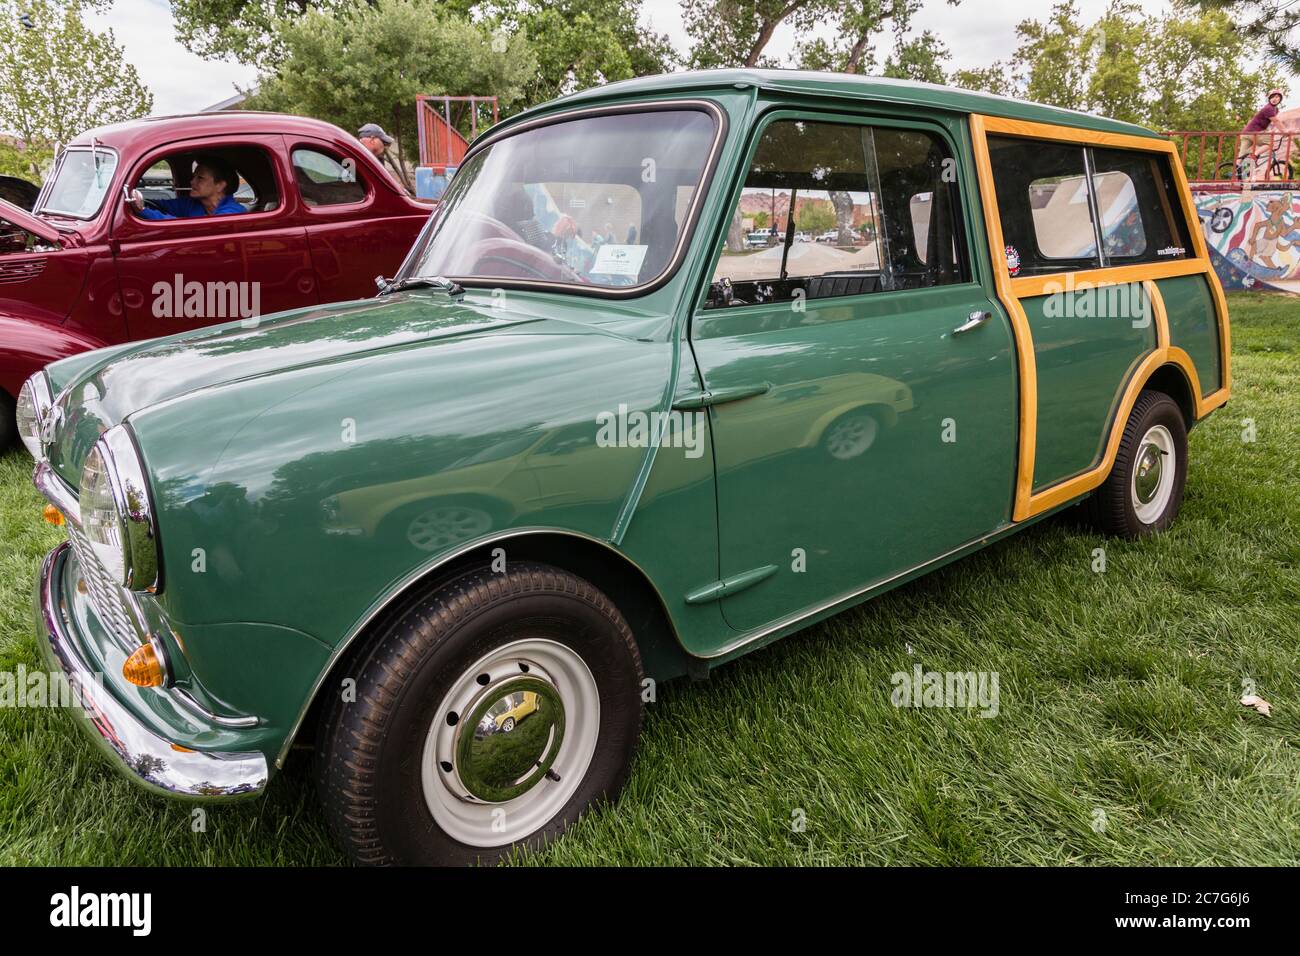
(1067, 207)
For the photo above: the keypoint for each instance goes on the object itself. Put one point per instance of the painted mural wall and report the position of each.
(1253, 236)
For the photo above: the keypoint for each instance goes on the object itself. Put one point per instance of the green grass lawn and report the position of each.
(1118, 702)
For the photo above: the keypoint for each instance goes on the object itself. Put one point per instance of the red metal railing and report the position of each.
(441, 144)
(1236, 157)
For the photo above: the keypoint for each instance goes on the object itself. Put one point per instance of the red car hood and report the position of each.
(37, 227)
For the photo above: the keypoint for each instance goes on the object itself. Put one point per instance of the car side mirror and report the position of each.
(132, 196)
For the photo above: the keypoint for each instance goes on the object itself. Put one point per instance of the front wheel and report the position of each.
(1144, 491)
(8, 424)
(420, 768)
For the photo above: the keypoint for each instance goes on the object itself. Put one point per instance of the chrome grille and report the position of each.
(105, 595)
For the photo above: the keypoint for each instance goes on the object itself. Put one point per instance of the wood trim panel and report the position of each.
(1010, 291)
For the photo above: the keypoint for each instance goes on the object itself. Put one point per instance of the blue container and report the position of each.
(431, 184)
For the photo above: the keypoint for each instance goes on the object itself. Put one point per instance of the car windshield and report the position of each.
(80, 183)
(601, 201)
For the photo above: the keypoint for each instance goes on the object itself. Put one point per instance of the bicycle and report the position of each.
(1240, 170)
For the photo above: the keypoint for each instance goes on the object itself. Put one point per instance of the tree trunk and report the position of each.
(855, 54)
(764, 36)
(735, 235)
(843, 205)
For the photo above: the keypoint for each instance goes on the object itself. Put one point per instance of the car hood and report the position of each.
(36, 226)
(128, 379)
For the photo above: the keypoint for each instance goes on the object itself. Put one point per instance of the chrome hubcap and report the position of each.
(1147, 479)
(509, 739)
(1152, 484)
(510, 742)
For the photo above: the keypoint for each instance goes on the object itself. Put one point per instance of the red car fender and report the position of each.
(30, 346)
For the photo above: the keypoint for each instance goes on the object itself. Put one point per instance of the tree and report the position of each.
(241, 30)
(736, 32)
(1266, 26)
(578, 43)
(994, 78)
(59, 78)
(1181, 71)
(920, 58)
(814, 216)
(858, 23)
(369, 63)
(581, 43)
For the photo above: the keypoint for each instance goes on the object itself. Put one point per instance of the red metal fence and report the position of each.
(441, 143)
(1236, 157)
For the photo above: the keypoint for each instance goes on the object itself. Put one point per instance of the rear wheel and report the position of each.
(425, 767)
(1144, 491)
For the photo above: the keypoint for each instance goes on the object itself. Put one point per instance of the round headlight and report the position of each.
(100, 519)
(116, 511)
(30, 409)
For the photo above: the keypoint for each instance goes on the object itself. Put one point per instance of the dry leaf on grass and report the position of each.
(1259, 703)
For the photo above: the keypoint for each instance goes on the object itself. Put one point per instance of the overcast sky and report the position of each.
(977, 32)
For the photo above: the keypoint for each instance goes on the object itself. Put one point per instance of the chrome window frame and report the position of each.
(40, 208)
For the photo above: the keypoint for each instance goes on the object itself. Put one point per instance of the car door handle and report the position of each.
(973, 321)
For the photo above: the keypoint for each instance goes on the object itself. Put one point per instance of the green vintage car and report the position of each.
(589, 438)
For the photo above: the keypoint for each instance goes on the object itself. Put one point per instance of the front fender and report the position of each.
(30, 346)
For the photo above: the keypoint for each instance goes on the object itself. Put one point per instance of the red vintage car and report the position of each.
(84, 269)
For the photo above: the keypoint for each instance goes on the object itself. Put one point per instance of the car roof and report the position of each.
(842, 85)
(157, 130)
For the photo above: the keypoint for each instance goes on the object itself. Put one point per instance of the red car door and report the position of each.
(358, 225)
(178, 274)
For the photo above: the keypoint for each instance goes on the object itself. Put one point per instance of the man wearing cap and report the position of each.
(1259, 123)
(374, 138)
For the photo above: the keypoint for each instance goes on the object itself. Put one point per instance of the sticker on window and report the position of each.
(1013, 260)
(618, 260)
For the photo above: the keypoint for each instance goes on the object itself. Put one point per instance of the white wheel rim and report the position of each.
(446, 525)
(1150, 500)
(852, 437)
(478, 822)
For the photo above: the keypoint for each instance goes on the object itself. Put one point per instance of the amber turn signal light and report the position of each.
(53, 515)
(144, 668)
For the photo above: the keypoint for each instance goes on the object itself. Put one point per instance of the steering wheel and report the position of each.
(529, 261)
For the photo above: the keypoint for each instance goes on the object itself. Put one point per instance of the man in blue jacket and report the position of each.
(212, 193)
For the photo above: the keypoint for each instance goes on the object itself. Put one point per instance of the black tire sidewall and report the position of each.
(8, 424)
(1151, 409)
(406, 827)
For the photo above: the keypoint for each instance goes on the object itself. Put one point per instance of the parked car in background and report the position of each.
(83, 270)
(830, 235)
(524, 471)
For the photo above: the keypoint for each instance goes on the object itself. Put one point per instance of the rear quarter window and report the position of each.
(1066, 207)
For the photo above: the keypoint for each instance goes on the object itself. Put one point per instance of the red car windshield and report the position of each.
(81, 181)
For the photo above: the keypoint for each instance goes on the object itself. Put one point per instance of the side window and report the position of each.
(831, 209)
(1050, 194)
(1044, 204)
(918, 204)
(168, 185)
(326, 181)
(158, 182)
(1141, 217)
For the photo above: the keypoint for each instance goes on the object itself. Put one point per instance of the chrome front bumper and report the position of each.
(148, 759)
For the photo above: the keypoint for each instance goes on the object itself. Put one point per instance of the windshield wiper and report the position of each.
(386, 286)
